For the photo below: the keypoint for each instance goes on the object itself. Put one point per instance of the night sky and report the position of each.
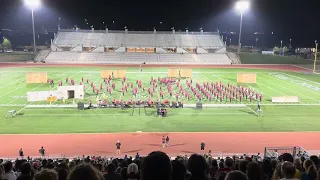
(287, 19)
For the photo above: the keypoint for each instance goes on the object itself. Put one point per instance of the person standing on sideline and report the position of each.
(118, 145)
(163, 141)
(21, 153)
(42, 151)
(202, 146)
(167, 141)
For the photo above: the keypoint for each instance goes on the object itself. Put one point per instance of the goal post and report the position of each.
(36, 77)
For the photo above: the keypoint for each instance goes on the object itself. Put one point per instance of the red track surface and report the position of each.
(181, 143)
(144, 143)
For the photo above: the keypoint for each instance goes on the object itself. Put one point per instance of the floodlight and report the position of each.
(32, 3)
(242, 6)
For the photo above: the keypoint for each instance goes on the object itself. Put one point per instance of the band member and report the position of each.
(163, 141)
(21, 153)
(42, 151)
(202, 146)
(167, 141)
(118, 145)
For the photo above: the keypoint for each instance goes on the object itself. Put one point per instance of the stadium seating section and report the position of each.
(136, 58)
(120, 47)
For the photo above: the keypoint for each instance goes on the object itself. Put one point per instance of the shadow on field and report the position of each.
(188, 152)
(106, 152)
(172, 145)
(248, 112)
(133, 151)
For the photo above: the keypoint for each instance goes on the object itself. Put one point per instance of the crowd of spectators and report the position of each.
(158, 166)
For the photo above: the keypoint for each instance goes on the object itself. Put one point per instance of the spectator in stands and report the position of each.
(297, 164)
(228, 164)
(277, 174)
(266, 169)
(46, 174)
(72, 165)
(124, 173)
(214, 167)
(115, 163)
(85, 171)
(221, 175)
(198, 167)
(254, 171)
(26, 170)
(112, 175)
(316, 161)
(156, 166)
(179, 170)
(310, 170)
(221, 165)
(243, 166)
(236, 175)
(1, 171)
(288, 170)
(62, 173)
(8, 172)
(133, 171)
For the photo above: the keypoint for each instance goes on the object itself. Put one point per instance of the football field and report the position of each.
(32, 119)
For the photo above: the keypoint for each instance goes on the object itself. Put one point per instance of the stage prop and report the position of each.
(285, 99)
(52, 99)
(71, 92)
(199, 106)
(105, 74)
(42, 95)
(173, 73)
(119, 74)
(186, 73)
(66, 92)
(246, 78)
(80, 106)
(36, 77)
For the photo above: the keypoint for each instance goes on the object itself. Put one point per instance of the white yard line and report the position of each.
(11, 79)
(252, 110)
(291, 89)
(301, 78)
(121, 114)
(282, 104)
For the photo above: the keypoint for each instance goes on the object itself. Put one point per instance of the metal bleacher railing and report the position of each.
(295, 151)
(136, 32)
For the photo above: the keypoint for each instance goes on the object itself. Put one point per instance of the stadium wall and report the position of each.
(254, 58)
(15, 57)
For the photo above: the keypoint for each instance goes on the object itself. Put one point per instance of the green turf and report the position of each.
(301, 117)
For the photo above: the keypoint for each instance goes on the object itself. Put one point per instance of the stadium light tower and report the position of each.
(241, 6)
(33, 4)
